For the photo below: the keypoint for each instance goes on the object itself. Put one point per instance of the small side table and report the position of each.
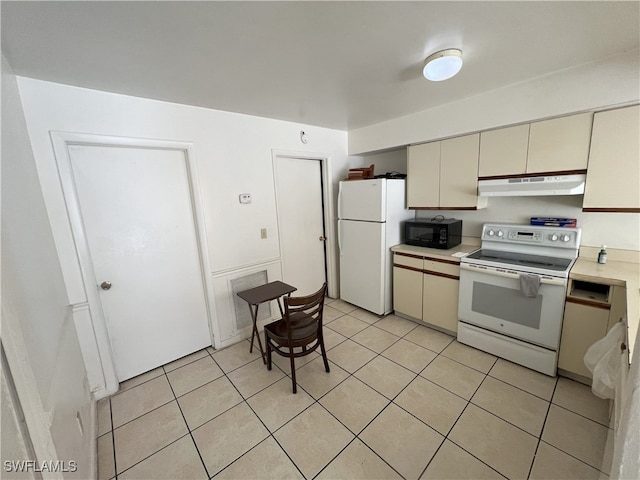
(264, 293)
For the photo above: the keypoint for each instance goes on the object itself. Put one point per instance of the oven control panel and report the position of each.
(532, 235)
(525, 235)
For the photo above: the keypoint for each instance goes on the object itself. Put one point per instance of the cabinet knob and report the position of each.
(623, 347)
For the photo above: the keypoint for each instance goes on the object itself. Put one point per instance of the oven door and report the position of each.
(490, 298)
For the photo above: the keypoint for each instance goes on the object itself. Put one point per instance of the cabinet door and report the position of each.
(614, 161)
(459, 172)
(423, 175)
(504, 151)
(559, 144)
(582, 327)
(618, 310)
(407, 292)
(440, 302)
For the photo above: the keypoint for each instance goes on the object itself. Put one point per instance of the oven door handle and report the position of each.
(492, 271)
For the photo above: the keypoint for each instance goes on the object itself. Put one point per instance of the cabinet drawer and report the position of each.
(451, 269)
(407, 261)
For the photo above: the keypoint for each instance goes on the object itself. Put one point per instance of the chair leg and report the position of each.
(268, 346)
(324, 355)
(293, 370)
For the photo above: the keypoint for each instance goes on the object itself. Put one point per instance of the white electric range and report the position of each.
(512, 292)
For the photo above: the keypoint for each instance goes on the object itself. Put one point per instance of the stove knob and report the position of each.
(566, 238)
(500, 233)
(491, 233)
(553, 237)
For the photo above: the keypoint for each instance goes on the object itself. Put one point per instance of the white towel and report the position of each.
(529, 284)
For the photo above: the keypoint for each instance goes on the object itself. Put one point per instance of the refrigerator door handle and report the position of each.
(340, 202)
(340, 235)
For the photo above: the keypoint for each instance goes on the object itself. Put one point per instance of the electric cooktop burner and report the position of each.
(497, 257)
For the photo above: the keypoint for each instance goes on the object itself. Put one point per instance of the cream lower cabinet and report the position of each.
(583, 326)
(407, 292)
(440, 301)
(589, 313)
(426, 289)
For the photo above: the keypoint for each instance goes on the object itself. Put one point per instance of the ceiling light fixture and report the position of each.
(442, 65)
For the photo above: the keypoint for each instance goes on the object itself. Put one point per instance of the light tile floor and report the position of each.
(401, 401)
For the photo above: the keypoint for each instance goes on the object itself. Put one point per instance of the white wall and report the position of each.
(38, 332)
(233, 155)
(611, 82)
(616, 230)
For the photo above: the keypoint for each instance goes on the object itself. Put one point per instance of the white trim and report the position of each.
(83, 322)
(246, 266)
(61, 141)
(38, 420)
(327, 194)
(225, 301)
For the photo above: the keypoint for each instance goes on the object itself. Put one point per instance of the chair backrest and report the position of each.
(301, 312)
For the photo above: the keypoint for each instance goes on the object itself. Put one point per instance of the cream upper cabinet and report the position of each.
(614, 162)
(504, 151)
(559, 144)
(556, 145)
(459, 173)
(444, 174)
(423, 175)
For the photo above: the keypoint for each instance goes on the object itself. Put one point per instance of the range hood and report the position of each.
(532, 186)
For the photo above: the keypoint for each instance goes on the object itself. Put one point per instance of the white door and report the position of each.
(139, 224)
(362, 264)
(301, 222)
(363, 200)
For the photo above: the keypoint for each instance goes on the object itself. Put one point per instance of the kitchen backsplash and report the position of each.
(616, 230)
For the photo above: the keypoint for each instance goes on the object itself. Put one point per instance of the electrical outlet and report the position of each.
(263, 233)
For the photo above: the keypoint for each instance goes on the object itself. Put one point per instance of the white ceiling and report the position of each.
(340, 65)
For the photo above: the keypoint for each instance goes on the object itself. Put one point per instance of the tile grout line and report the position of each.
(244, 400)
(350, 374)
(113, 442)
(446, 437)
(175, 440)
(544, 424)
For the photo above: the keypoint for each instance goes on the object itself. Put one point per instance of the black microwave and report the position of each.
(444, 233)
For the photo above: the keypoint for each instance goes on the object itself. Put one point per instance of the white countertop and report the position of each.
(453, 254)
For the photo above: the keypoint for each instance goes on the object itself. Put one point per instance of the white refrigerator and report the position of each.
(370, 221)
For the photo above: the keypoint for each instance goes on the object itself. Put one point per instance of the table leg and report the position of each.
(280, 306)
(254, 332)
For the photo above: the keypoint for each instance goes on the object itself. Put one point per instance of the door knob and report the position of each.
(321, 238)
(105, 285)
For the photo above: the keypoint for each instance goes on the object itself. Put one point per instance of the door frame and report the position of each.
(327, 201)
(101, 340)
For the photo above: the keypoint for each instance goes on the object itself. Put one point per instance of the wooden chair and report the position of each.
(300, 329)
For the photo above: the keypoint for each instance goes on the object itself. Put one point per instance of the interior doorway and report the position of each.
(135, 219)
(304, 227)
